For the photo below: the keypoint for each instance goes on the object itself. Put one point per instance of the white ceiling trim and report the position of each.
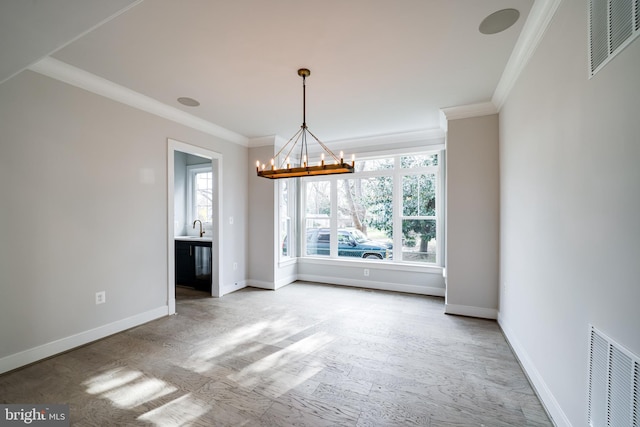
(426, 137)
(390, 139)
(537, 23)
(263, 141)
(76, 77)
(471, 110)
(378, 144)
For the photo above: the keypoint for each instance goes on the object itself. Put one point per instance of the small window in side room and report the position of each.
(200, 193)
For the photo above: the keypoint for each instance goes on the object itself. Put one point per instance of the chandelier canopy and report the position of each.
(334, 165)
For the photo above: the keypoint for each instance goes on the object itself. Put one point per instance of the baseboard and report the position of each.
(285, 281)
(31, 355)
(549, 402)
(261, 284)
(368, 284)
(236, 286)
(466, 310)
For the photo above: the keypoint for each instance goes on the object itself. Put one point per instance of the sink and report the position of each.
(197, 238)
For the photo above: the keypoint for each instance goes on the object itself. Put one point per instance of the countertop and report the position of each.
(192, 238)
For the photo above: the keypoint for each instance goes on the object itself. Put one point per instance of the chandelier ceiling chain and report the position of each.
(284, 170)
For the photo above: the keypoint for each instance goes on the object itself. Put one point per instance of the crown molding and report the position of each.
(424, 135)
(467, 111)
(534, 29)
(74, 76)
(427, 137)
(386, 143)
(262, 141)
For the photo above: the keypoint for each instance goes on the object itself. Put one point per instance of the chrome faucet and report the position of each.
(194, 226)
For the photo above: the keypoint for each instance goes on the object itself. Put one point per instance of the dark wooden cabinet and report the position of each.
(193, 264)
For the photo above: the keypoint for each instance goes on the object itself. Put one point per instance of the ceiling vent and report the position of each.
(614, 384)
(613, 25)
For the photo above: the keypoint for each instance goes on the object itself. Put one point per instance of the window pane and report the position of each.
(204, 196)
(365, 220)
(419, 195)
(419, 160)
(365, 209)
(317, 217)
(285, 227)
(419, 240)
(374, 164)
(285, 221)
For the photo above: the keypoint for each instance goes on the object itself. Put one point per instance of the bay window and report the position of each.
(388, 210)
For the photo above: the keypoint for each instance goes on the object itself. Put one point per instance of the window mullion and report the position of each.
(397, 211)
(333, 247)
(440, 210)
(302, 219)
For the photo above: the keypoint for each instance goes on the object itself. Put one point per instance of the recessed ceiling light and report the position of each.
(189, 102)
(499, 21)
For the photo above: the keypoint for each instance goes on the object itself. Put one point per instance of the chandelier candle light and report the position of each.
(303, 168)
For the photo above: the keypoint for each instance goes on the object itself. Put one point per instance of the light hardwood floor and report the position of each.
(305, 355)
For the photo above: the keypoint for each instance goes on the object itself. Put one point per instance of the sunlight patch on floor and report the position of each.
(179, 412)
(259, 335)
(126, 388)
(279, 381)
(111, 379)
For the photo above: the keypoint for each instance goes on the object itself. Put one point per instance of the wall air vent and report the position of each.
(613, 25)
(614, 384)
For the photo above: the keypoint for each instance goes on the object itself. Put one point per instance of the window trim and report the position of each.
(289, 216)
(397, 173)
(192, 171)
(438, 217)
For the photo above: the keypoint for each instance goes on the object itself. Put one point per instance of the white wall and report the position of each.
(180, 193)
(84, 208)
(262, 225)
(570, 210)
(472, 216)
(382, 275)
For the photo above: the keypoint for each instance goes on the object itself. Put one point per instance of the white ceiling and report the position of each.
(377, 66)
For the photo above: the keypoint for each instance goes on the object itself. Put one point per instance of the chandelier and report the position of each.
(333, 165)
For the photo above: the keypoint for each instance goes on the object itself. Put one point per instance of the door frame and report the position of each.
(216, 222)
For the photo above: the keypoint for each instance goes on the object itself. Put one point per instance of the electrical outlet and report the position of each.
(101, 297)
(235, 265)
(366, 272)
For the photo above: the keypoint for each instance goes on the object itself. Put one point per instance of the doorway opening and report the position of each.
(194, 209)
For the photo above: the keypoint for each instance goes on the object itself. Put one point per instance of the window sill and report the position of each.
(374, 265)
